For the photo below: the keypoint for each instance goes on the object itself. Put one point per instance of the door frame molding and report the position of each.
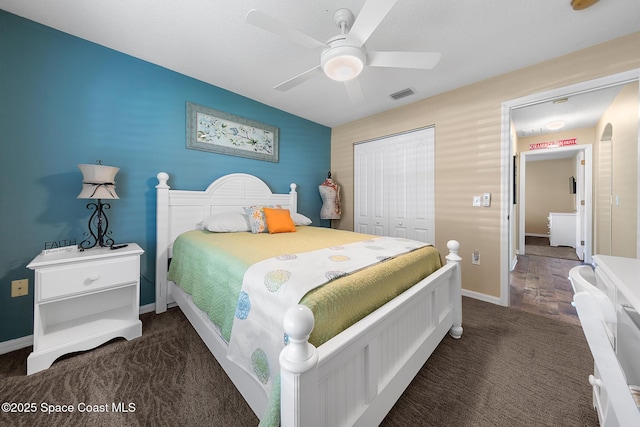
(506, 162)
(550, 154)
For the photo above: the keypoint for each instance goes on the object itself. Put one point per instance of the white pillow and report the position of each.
(229, 222)
(299, 219)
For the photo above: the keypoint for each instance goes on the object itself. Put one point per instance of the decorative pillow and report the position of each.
(299, 219)
(279, 221)
(229, 222)
(256, 218)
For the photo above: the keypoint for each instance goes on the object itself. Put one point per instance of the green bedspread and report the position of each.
(210, 267)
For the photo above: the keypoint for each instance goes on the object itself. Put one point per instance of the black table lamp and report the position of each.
(98, 182)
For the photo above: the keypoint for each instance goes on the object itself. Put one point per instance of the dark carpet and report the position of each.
(510, 368)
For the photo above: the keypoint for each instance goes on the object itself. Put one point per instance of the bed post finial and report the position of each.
(453, 258)
(163, 177)
(454, 248)
(298, 324)
(298, 370)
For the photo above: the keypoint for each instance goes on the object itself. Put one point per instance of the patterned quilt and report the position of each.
(210, 267)
(272, 286)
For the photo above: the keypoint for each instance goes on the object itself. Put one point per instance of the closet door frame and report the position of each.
(394, 185)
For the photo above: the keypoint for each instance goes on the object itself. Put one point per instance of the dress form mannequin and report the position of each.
(330, 194)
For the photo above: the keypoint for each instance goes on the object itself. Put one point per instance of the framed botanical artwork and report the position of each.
(224, 133)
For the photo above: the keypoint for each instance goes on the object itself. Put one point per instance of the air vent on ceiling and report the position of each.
(402, 94)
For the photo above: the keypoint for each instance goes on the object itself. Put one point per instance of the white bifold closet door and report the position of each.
(394, 186)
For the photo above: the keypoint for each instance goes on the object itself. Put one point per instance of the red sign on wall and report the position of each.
(553, 144)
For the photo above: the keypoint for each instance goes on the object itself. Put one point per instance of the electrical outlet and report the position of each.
(475, 258)
(19, 288)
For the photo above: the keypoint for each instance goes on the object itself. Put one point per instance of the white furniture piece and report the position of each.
(618, 277)
(619, 274)
(614, 287)
(562, 229)
(394, 186)
(375, 359)
(611, 393)
(83, 299)
(583, 280)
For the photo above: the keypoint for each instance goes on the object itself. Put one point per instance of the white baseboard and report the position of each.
(16, 344)
(148, 308)
(536, 235)
(481, 297)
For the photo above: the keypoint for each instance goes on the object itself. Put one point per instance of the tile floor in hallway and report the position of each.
(540, 285)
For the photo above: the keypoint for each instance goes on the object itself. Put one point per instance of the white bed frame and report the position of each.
(354, 378)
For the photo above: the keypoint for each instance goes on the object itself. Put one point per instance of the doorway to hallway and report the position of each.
(511, 235)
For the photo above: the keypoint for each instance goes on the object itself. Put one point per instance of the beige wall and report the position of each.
(468, 148)
(547, 181)
(547, 191)
(621, 222)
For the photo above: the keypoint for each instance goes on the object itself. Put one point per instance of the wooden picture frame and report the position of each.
(223, 133)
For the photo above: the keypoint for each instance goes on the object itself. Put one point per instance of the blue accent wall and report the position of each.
(65, 101)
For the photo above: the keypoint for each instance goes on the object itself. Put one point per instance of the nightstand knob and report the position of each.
(94, 276)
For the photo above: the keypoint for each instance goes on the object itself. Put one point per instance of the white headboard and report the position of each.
(182, 210)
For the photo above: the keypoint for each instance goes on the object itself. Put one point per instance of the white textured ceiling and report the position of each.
(576, 111)
(210, 41)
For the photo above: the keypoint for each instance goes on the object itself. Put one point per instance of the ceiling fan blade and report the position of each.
(354, 90)
(273, 25)
(419, 60)
(300, 78)
(371, 15)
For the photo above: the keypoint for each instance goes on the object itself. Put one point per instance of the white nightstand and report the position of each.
(82, 300)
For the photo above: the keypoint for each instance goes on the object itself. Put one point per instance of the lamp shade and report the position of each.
(98, 182)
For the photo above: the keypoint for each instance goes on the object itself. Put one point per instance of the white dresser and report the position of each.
(83, 299)
(562, 229)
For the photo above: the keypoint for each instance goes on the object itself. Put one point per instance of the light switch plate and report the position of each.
(486, 200)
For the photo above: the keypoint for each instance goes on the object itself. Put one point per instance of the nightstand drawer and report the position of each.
(62, 281)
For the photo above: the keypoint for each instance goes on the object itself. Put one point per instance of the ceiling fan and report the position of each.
(344, 56)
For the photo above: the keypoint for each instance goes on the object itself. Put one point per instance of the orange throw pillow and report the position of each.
(278, 220)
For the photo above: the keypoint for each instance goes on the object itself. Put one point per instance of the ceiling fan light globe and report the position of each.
(343, 63)
(555, 125)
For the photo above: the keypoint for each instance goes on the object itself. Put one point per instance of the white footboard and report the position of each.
(356, 377)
